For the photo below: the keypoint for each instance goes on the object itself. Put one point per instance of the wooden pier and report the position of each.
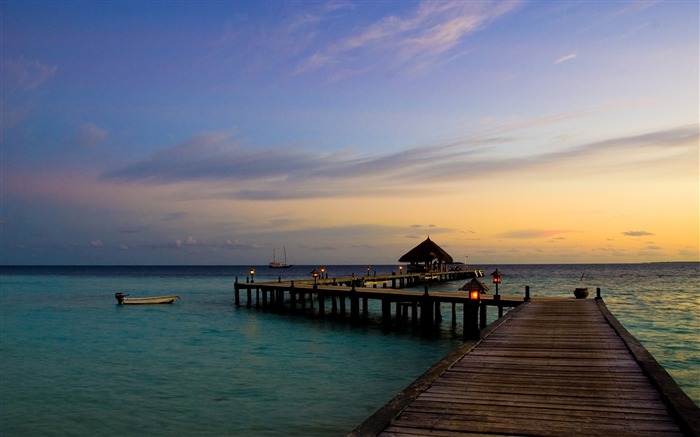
(551, 366)
(561, 367)
(342, 298)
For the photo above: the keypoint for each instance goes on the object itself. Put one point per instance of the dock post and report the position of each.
(236, 293)
(597, 293)
(280, 301)
(342, 305)
(471, 322)
(527, 293)
(482, 315)
(354, 308)
(250, 298)
(321, 305)
(292, 300)
(454, 314)
(497, 298)
(426, 310)
(264, 299)
(334, 304)
(386, 311)
(365, 308)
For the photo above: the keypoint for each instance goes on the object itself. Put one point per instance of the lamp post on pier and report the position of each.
(252, 275)
(496, 279)
(471, 329)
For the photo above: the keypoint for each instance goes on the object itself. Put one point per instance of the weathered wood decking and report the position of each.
(564, 368)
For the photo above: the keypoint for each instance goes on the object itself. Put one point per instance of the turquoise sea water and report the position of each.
(72, 362)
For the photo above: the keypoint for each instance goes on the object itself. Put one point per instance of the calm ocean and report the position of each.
(72, 362)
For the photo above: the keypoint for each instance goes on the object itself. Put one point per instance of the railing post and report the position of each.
(321, 305)
(236, 293)
(354, 307)
(597, 293)
(527, 293)
(292, 300)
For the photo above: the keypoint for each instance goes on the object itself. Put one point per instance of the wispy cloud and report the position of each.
(636, 233)
(533, 233)
(25, 75)
(427, 35)
(294, 172)
(90, 135)
(566, 58)
(20, 77)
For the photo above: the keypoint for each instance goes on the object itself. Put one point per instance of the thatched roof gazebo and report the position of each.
(474, 285)
(427, 257)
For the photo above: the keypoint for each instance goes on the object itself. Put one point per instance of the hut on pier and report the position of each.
(474, 285)
(427, 257)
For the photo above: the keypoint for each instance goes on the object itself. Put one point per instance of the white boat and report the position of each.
(124, 300)
(277, 264)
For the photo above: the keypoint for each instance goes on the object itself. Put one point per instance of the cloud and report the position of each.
(236, 172)
(235, 244)
(20, 77)
(425, 36)
(96, 243)
(566, 58)
(90, 135)
(532, 233)
(636, 233)
(189, 241)
(24, 75)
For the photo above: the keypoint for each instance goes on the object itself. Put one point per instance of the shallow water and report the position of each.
(74, 363)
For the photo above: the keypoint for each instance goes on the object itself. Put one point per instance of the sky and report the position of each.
(347, 132)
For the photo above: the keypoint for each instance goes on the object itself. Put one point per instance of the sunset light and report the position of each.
(508, 131)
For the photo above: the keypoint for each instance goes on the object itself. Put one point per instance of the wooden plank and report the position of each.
(554, 368)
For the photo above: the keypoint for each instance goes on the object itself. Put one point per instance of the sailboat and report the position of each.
(277, 264)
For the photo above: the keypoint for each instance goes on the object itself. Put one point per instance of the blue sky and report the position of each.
(213, 132)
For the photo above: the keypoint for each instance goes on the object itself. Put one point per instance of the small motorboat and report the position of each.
(123, 299)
